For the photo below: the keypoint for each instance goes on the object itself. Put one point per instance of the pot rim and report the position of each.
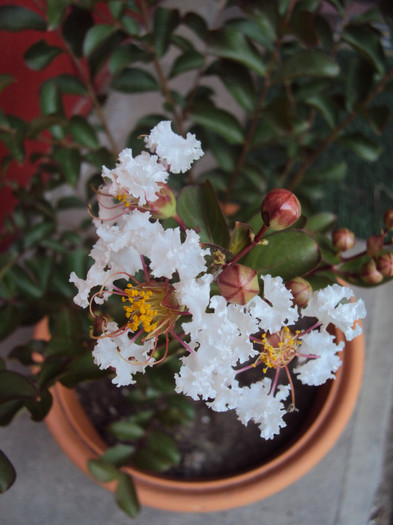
(71, 428)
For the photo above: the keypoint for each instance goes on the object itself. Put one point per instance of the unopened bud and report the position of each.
(374, 245)
(301, 291)
(385, 264)
(370, 274)
(280, 209)
(388, 219)
(165, 205)
(238, 283)
(343, 239)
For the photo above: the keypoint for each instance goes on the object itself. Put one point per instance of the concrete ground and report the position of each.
(351, 486)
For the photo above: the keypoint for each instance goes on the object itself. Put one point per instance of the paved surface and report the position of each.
(350, 486)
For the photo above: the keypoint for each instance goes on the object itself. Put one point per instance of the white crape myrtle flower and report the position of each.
(125, 357)
(317, 371)
(257, 404)
(280, 311)
(176, 152)
(326, 305)
(136, 176)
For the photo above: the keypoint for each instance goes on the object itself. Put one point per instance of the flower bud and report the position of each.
(388, 219)
(385, 264)
(370, 274)
(238, 284)
(301, 291)
(374, 245)
(343, 239)
(280, 209)
(165, 205)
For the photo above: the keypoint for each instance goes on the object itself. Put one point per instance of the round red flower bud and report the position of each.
(280, 209)
(165, 205)
(385, 264)
(388, 219)
(370, 274)
(301, 291)
(343, 239)
(374, 245)
(238, 284)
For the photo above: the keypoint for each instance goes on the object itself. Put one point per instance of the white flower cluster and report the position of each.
(221, 338)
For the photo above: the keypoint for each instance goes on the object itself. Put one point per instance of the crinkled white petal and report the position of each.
(256, 404)
(116, 352)
(194, 294)
(326, 305)
(137, 176)
(316, 371)
(175, 151)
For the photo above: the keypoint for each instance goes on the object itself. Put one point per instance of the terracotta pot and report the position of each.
(335, 402)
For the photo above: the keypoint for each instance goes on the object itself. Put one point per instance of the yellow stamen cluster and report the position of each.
(140, 311)
(281, 352)
(122, 197)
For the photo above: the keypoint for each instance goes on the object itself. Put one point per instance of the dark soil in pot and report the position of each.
(213, 444)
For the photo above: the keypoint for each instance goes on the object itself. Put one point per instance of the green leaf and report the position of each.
(8, 320)
(102, 471)
(164, 445)
(16, 18)
(126, 430)
(6, 80)
(321, 222)
(83, 132)
(186, 61)
(40, 55)
(218, 120)
(198, 208)
(253, 30)
(133, 80)
(326, 106)
(55, 10)
(40, 408)
(331, 174)
(38, 232)
(237, 80)
(25, 284)
(14, 386)
(240, 238)
(365, 39)
(70, 85)
(125, 55)
(148, 459)
(130, 25)
(8, 411)
(233, 45)
(69, 161)
(7, 471)
(196, 23)
(118, 455)
(126, 496)
(278, 115)
(224, 153)
(116, 8)
(358, 82)
(164, 23)
(362, 146)
(75, 28)
(40, 124)
(306, 63)
(50, 99)
(96, 37)
(378, 117)
(288, 254)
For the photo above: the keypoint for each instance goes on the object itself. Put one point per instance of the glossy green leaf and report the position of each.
(240, 237)
(219, 121)
(164, 23)
(83, 132)
(362, 146)
(125, 55)
(15, 386)
(252, 29)
(196, 23)
(198, 208)
(366, 40)
(6, 80)
(40, 124)
(117, 8)
(321, 222)
(130, 25)
(69, 161)
(118, 455)
(95, 38)
(306, 63)
(187, 61)
(50, 99)
(17, 18)
(164, 445)
(70, 84)
(7, 471)
(133, 80)
(102, 471)
(40, 55)
(234, 45)
(75, 27)
(237, 80)
(40, 408)
(126, 496)
(55, 10)
(288, 254)
(126, 430)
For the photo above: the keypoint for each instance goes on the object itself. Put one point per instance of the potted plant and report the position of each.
(218, 285)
